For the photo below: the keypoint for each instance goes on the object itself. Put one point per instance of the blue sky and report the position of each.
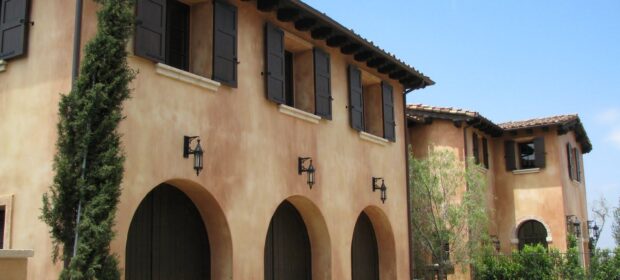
(511, 60)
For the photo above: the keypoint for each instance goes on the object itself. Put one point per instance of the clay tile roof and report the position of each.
(420, 113)
(531, 123)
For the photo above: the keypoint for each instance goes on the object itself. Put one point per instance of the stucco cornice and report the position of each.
(2, 65)
(186, 77)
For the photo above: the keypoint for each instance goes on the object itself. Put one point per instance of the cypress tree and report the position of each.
(89, 161)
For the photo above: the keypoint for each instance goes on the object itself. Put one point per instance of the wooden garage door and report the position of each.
(364, 251)
(287, 248)
(167, 239)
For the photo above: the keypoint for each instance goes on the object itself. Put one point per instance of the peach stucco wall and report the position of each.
(251, 152)
(444, 134)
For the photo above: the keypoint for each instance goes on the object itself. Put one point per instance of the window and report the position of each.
(532, 232)
(13, 28)
(195, 36)
(525, 154)
(527, 157)
(476, 149)
(371, 104)
(296, 73)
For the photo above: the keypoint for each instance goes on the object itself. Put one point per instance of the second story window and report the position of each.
(200, 38)
(296, 73)
(371, 104)
(527, 157)
(574, 162)
(525, 154)
(13, 28)
(475, 148)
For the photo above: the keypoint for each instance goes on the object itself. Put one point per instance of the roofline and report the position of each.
(409, 77)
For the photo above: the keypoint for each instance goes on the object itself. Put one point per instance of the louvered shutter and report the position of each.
(476, 148)
(13, 28)
(150, 37)
(322, 84)
(509, 155)
(485, 152)
(356, 100)
(389, 125)
(539, 152)
(274, 63)
(225, 43)
(569, 159)
(577, 164)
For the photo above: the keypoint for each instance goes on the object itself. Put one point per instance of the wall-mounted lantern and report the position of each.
(310, 169)
(573, 225)
(595, 233)
(382, 187)
(197, 151)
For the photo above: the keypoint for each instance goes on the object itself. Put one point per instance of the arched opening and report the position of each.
(532, 232)
(167, 238)
(287, 247)
(386, 244)
(364, 250)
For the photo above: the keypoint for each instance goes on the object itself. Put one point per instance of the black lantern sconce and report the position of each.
(573, 225)
(310, 169)
(595, 233)
(382, 188)
(197, 151)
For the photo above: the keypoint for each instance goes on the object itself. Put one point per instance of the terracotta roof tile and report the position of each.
(554, 120)
(422, 113)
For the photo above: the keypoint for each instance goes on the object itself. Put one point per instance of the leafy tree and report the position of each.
(616, 225)
(449, 214)
(605, 264)
(569, 266)
(89, 161)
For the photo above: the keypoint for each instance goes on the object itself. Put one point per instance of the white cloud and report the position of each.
(609, 116)
(614, 137)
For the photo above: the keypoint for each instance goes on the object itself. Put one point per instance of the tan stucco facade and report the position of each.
(250, 153)
(547, 195)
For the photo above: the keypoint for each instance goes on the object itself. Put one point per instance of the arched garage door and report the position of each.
(364, 251)
(167, 239)
(287, 248)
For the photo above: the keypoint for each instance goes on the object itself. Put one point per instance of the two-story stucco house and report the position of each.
(298, 119)
(534, 171)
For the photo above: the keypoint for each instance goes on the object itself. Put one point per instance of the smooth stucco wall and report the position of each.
(251, 152)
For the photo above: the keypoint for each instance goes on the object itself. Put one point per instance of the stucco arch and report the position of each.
(213, 217)
(320, 240)
(514, 239)
(385, 241)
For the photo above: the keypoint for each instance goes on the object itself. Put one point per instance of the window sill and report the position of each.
(300, 114)
(2, 65)
(186, 77)
(526, 171)
(373, 138)
(16, 254)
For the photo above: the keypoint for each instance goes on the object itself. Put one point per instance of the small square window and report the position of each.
(527, 155)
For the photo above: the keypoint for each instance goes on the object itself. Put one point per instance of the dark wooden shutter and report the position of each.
(509, 155)
(539, 152)
(356, 100)
(577, 164)
(475, 148)
(389, 125)
(2, 221)
(569, 159)
(322, 84)
(274, 64)
(485, 152)
(225, 43)
(13, 28)
(150, 37)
